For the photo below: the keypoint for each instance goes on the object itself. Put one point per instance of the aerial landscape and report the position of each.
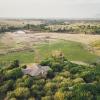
(49, 58)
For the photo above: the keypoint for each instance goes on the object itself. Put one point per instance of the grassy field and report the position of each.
(73, 51)
(23, 57)
(96, 47)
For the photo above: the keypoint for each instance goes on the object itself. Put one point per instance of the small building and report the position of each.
(36, 70)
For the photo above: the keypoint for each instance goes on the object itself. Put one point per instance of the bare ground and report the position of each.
(18, 40)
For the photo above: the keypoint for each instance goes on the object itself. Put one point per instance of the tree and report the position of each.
(88, 76)
(37, 91)
(50, 86)
(14, 73)
(22, 92)
(50, 74)
(15, 64)
(59, 96)
(8, 85)
(10, 95)
(56, 67)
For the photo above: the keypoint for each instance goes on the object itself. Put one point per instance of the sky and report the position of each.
(50, 8)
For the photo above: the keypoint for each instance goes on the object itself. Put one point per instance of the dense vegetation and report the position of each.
(76, 28)
(8, 28)
(86, 28)
(37, 28)
(64, 81)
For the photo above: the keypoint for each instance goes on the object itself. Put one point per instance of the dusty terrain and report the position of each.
(20, 39)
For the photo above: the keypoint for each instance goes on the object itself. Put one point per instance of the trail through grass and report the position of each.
(73, 51)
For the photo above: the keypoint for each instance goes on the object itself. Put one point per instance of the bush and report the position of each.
(59, 96)
(88, 76)
(56, 67)
(22, 92)
(27, 80)
(50, 74)
(46, 62)
(14, 73)
(78, 80)
(7, 85)
(50, 86)
(24, 67)
(65, 74)
(37, 91)
(15, 64)
(76, 69)
(10, 95)
(86, 90)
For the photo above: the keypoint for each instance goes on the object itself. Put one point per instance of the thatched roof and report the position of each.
(36, 70)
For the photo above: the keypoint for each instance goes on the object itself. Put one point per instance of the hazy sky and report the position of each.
(50, 8)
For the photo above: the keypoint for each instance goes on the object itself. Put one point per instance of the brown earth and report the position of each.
(20, 39)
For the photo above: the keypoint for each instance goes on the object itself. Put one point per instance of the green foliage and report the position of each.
(22, 92)
(87, 28)
(13, 73)
(50, 74)
(45, 62)
(86, 91)
(59, 96)
(56, 67)
(10, 95)
(15, 64)
(88, 76)
(64, 81)
(6, 86)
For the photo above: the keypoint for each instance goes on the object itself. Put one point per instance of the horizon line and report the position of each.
(56, 18)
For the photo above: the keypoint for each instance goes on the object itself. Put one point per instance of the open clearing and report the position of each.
(19, 45)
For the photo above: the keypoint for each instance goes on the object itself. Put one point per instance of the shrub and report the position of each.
(6, 86)
(14, 73)
(27, 80)
(50, 74)
(75, 70)
(15, 64)
(24, 67)
(88, 76)
(10, 95)
(22, 92)
(59, 96)
(65, 74)
(78, 80)
(46, 62)
(50, 86)
(56, 67)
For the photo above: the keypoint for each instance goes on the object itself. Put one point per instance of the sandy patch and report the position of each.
(21, 39)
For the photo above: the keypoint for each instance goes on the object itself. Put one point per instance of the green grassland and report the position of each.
(72, 50)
